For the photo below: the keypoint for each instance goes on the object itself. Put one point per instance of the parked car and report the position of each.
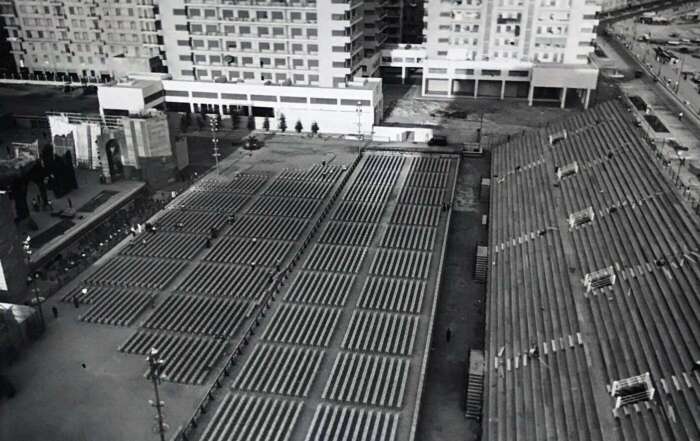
(439, 140)
(252, 143)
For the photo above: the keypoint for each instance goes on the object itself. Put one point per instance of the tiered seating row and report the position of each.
(265, 227)
(666, 346)
(409, 237)
(317, 173)
(188, 359)
(136, 272)
(243, 183)
(298, 189)
(302, 325)
(381, 332)
(378, 170)
(358, 212)
(547, 398)
(320, 288)
(199, 315)
(220, 202)
(526, 201)
(234, 281)
(527, 305)
(187, 221)
(398, 295)
(339, 258)
(247, 417)
(119, 308)
(427, 180)
(92, 295)
(401, 263)
(283, 370)
(252, 251)
(168, 245)
(367, 379)
(284, 207)
(422, 196)
(335, 423)
(430, 164)
(416, 215)
(348, 233)
(368, 193)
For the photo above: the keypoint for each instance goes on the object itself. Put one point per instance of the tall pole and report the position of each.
(31, 280)
(677, 86)
(155, 369)
(359, 127)
(214, 123)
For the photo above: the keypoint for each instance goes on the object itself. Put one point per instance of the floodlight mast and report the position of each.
(155, 370)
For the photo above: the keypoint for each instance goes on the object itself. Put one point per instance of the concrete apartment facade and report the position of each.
(494, 48)
(83, 39)
(475, 48)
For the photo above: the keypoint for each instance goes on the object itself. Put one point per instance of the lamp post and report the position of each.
(214, 123)
(359, 127)
(155, 369)
(679, 154)
(31, 280)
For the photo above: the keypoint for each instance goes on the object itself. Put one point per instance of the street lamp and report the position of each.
(31, 281)
(679, 154)
(359, 127)
(214, 123)
(155, 370)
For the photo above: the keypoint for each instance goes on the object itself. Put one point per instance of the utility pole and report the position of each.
(155, 369)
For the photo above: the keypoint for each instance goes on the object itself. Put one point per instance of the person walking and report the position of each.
(448, 334)
(70, 204)
(54, 310)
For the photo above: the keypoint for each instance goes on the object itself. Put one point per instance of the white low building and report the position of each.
(347, 109)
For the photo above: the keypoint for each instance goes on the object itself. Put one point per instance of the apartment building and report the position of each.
(83, 38)
(307, 42)
(508, 48)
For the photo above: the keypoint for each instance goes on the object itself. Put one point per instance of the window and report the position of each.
(182, 93)
(293, 99)
(261, 15)
(326, 101)
(344, 102)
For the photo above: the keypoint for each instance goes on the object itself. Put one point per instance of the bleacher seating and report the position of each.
(166, 245)
(364, 424)
(188, 359)
(247, 417)
(136, 272)
(555, 345)
(118, 308)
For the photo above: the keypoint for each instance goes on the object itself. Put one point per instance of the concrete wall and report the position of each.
(13, 274)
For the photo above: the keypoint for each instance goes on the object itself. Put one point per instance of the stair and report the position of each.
(481, 266)
(475, 384)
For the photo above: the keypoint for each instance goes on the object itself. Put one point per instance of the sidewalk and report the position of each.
(666, 106)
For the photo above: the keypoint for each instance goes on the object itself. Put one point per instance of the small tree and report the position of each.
(266, 124)
(298, 126)
(314, 128)
(218, 120)
(251, 122)
(200, 122)
(283, 123)
(234, 118)
(184, 123)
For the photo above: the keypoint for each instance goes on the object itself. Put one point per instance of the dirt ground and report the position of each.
(404, 104)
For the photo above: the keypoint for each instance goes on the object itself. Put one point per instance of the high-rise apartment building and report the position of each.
(505, 48)
(84, 38)
(480, 48)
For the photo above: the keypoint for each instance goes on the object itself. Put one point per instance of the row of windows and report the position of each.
(260, 31)
(248, 75)
(270, 98)
(263, 46)
(243, 14)
(262, 62)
